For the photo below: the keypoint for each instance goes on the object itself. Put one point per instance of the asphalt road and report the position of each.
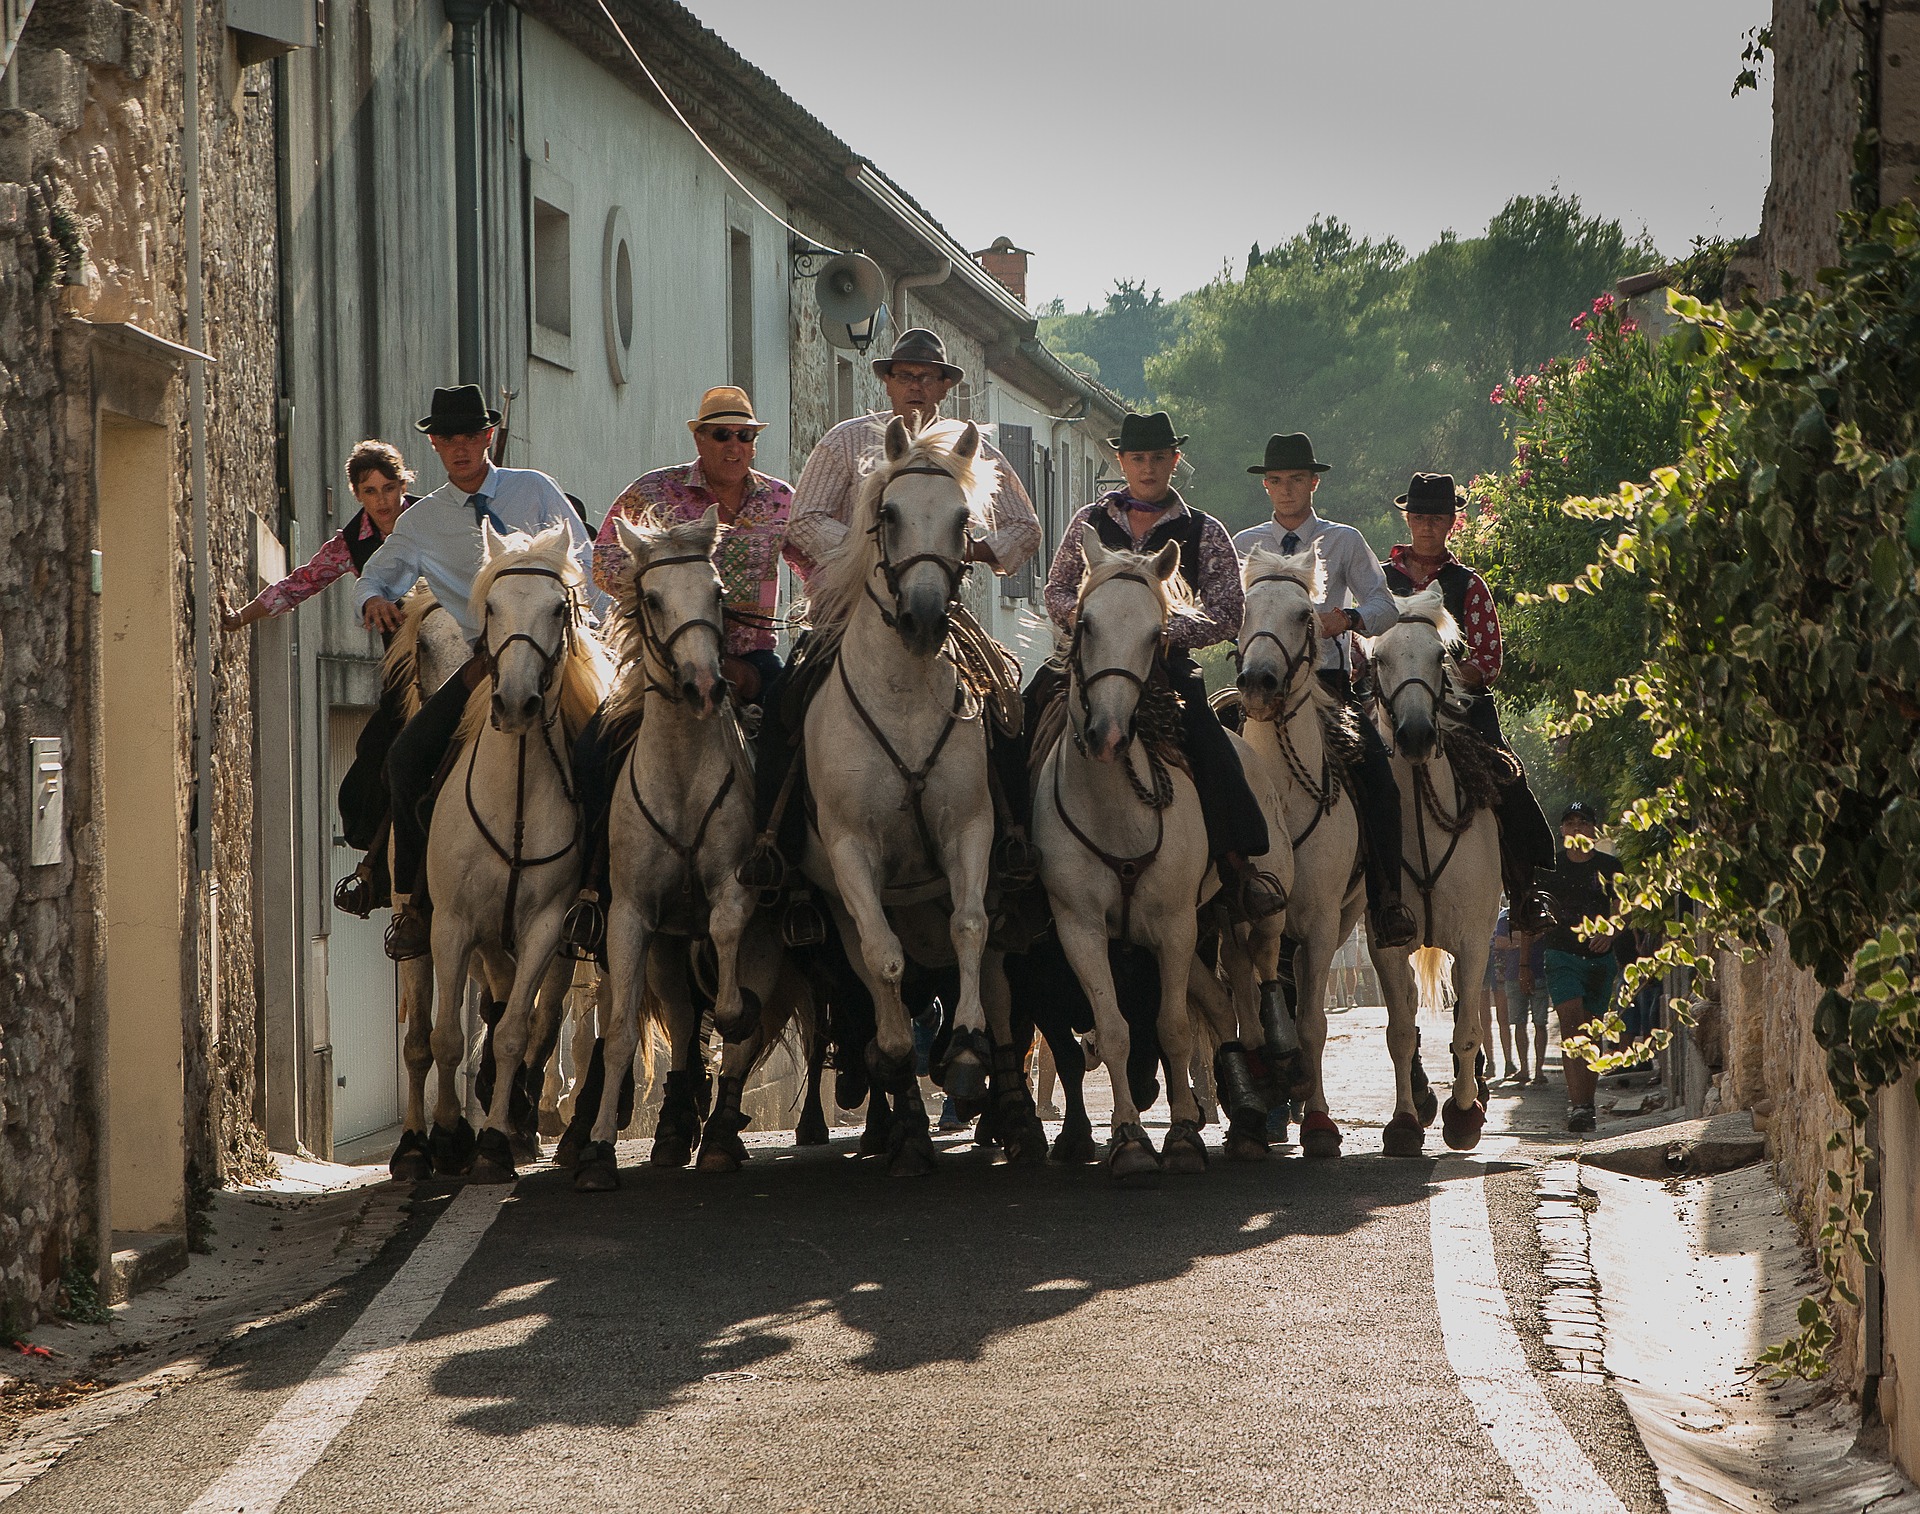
(811, 1335)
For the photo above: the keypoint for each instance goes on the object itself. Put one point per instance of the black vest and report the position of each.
(1454, 579)
(364, 538)
(1186, 530)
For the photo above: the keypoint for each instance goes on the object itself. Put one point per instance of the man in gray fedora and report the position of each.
(1358, 601)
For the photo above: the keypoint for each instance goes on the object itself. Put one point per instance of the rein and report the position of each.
(1126, 871)
(1426, 800)
(658, 648)
(914, 778)
(954, 568)
(1325, 792)
(551, 662)
(685, 851)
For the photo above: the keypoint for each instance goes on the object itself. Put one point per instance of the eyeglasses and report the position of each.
(919, 380)
(730, 433)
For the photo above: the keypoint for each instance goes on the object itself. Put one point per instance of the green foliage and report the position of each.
(80, 1299)
(1384, 358)
(1113, 343)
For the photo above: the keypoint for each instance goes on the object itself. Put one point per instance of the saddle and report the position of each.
(1158, 723)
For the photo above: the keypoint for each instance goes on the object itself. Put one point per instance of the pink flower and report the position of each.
(1581, 366)
(1499, 395)
(1520, 453)
(1578, 321)
(1524, 385)
(1526, 477)
(1603, 304)
(1591, 335)
(1540, 407)
(1629, 325)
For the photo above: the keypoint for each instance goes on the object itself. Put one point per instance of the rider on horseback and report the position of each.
(1144, 517)
(439, 539)
(1290, 474)
(1433, 507)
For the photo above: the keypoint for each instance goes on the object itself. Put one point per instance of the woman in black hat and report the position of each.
(1434, 506)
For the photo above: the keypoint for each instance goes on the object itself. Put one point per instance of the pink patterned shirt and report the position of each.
(749, 552)
(333, 561)
(1481, 623)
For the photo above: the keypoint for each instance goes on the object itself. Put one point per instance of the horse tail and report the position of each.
(1433, 976)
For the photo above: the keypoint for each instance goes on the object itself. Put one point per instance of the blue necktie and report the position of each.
(1290, 543)
(483, 511)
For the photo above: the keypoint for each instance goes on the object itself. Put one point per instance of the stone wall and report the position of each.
(1815, 116)
(91, 220)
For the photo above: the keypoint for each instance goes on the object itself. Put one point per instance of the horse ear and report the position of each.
(1166, 562)
(635, 545)
(1091, 547)
(710, 522)
(897, 439)
(492, 543)
(969, 442)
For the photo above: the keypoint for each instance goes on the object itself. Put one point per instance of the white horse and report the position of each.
(896, 756)
(429, 649)
(1452, 855)
(1284, 702)
(680, 826)
(504, 853)
(1123, 846)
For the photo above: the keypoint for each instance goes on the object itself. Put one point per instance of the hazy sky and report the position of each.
(1117, 139)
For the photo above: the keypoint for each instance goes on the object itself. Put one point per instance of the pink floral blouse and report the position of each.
(749, 553)
(333, 561)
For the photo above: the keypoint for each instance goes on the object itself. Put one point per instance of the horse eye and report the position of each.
(887, 512)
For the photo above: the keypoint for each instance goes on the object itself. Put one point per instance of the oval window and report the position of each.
(616, 293)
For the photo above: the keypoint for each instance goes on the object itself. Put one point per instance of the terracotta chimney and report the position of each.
(1008, 266)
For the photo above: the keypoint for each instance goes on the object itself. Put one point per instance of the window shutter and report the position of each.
(1016, 445)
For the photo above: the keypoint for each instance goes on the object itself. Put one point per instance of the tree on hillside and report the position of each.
(1119, 337)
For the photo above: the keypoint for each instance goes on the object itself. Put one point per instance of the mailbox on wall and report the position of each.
(47, 804)
(267, 28)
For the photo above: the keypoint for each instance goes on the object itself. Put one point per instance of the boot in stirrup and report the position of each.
(409, 934)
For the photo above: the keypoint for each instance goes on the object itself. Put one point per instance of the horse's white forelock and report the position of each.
(839, 582)
(1176, 599)
(1306, 565)
(1431, 605)
(550, 549)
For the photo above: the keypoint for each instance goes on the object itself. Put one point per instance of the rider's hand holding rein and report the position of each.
(382, 615)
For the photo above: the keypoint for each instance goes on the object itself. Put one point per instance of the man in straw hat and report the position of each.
(1358, 601)
(754, 509)
(439, 539)
(1143, 517)
(1434, 505)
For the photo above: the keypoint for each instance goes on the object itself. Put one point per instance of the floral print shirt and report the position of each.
(747, 556)
(333, 561)
(1480, 625)
(1222, 600)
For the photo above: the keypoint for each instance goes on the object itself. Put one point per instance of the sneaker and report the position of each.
(1540, 1078)
(1048, 1111)
(1580, 1118)
(950, 1120)
(1507, 1073)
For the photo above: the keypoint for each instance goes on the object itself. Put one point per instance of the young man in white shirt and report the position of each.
(440, 539)
(1358, 600)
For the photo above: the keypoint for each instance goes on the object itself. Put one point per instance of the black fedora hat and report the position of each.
(1433, 494)
(1147, 433)
(919, 346)
(458, 411)
(1290, 453)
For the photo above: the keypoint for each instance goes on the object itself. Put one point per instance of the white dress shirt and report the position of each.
(438, 539)
(1354, 575)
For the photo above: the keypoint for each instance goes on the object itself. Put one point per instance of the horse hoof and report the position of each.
(412, 1160)
(525, 1148)
(1025, 1141)
(492, 1159)
(1461, 1127)
(567, 1153)
(1131, 1155)
(452, 1149)
(1185, 1150)
(873, 1141)
(811, 1131)
(1247, 1148)
(596, 1171)
(1404, 1136)
(1074, 1146)
(550, 1125)
(912, 1157)
(721, 1160)
(721, 1149)
(1319, 1136)
(1426, 1104)
(964, 1079)
(670, 1151)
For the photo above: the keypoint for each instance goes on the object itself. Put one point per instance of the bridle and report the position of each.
(1426, 802)
(1083, 681)
(1434, 696)
(551, 663)
(660, 648)
(1292, 664)
(955, 568)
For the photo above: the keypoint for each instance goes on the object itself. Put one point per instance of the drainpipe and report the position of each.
(466, 15)
(197, 442)
(908, 281)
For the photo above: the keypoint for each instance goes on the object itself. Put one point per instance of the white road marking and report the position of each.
(293, 1441)
(1486, 1356)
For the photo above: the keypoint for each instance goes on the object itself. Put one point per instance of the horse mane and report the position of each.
(1176, 598)
(624, 636)
(588, 671)
(842, 577)
(400, 667)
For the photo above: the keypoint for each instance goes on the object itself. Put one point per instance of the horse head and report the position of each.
(1410, 670)
(1279, 633)
(524, 598)
(1116, 645)
(920, 527)
(677, 607)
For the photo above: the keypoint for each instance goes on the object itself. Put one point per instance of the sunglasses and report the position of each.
(732, 433)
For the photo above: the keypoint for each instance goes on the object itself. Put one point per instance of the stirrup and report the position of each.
(401, 943)
(583, 935)
(765, 870)
(1017, 861)
(353, 895)
(802, 924)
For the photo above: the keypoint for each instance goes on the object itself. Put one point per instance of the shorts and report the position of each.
(1574, 975)
(1522, 1007)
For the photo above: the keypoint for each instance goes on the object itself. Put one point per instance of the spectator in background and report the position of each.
(1527, 1001)
(1580, 972)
